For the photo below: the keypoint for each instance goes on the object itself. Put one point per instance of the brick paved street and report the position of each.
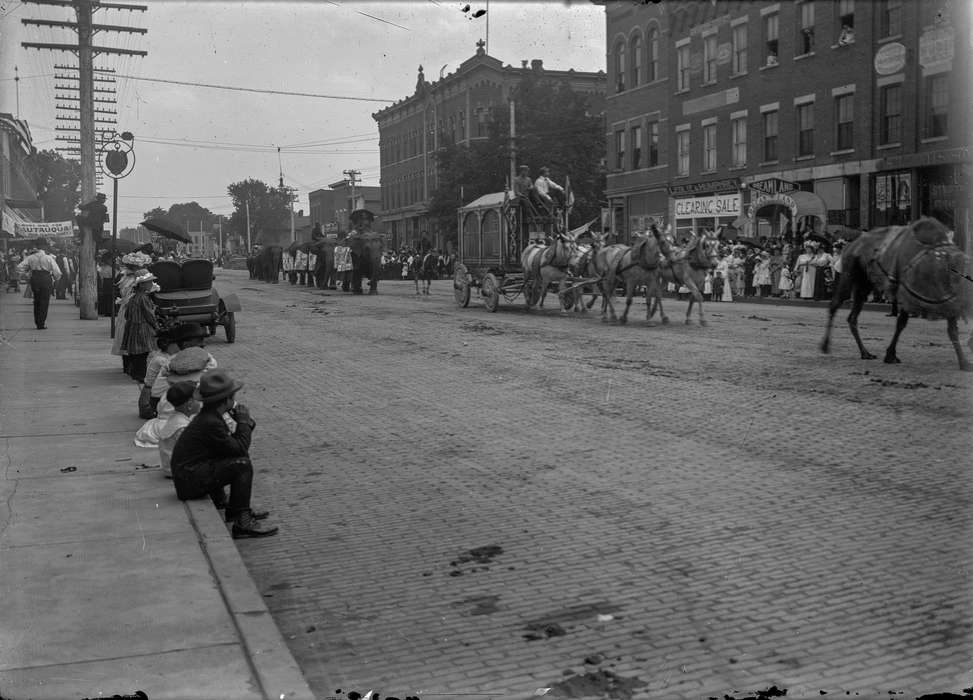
(483, 505)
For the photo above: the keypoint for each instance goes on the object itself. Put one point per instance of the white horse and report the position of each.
(543, 264)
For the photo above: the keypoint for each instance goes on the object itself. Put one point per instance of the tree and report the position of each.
(58, 183)
(269, 208)
(555, 127)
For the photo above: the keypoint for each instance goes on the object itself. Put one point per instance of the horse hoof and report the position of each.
(868, 356)
(623, 321)
(966, 367)
(702, 322)
(825, 348)
(892, 360)
(665, 320)
(686, 322)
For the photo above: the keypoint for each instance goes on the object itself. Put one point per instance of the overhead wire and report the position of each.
(262, 91)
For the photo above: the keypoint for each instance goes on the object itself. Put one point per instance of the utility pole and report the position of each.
(352, 180)
(513, 145)
(86, 51)
(249, 245)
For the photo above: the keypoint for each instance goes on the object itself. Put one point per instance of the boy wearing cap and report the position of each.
(208, 456)
(180, 396)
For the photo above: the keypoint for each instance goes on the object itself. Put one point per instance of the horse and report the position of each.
(918, 267)
(688, 266)
(640, 264)
(588, 267)
(543, 264)
(424, 267)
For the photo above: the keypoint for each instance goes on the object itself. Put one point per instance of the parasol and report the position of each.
(167, 228)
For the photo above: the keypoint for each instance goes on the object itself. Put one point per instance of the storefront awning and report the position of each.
(799, 203)
(10, 219)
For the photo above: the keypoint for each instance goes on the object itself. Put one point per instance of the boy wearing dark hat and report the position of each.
(208, 456)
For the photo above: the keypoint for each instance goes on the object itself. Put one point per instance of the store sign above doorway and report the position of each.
(890, 58)
(773, 186)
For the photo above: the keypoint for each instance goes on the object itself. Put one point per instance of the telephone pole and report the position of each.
(352, 180)
(86, 51)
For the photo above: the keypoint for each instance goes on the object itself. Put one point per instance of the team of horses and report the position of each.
(917, 266)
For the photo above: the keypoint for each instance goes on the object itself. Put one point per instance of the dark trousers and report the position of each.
(61, 287)
(209, 478)
(137, 366)
(42, 285)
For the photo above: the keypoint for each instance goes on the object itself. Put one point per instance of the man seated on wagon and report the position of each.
(547, 190)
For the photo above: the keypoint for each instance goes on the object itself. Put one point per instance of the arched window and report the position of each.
(653, 65)
(470, 243)
(620, 66)
(636, 61)
(490, 228)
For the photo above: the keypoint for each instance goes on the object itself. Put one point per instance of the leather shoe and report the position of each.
(245, 526)
(255, 514)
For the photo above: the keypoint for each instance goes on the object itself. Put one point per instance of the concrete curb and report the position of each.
(278, 673)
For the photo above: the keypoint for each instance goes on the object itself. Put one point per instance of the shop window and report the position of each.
(770, 136)
(805, 39)
(653, 144)
(620, 149)
(890, 18)
(937, 105)
(682, 67)
(771, 40)
(740, 37)
(620, 66)
(846, 21)
(709, 147)
(636, 61)
(893, 199)
(805, 129)
(890, 104)
(653, 66)
(636, 147)
(844, 122)
(682, 148)
(709, 58)
(739, 130)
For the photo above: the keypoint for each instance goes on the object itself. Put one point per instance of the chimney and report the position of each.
(537, 64)
(523, 63)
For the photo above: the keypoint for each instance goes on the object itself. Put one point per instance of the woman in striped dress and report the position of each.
(138, 338)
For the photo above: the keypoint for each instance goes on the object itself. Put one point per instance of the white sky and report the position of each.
(215, 137)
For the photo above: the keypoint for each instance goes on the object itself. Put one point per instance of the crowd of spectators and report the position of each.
(397, 264)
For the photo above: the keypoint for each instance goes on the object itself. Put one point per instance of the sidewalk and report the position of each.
(109, 583)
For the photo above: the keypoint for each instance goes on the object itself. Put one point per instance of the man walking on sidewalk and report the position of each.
(44, 272)
(208, 456)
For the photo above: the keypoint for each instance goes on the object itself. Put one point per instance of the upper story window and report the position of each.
(805, 39)
(636, 61)
(937, 105)
(771, 41)
(682, 67)
(709, 58)
(740, 38)
(770, 136)
(653, 65)
(890, 107)
(738, 128)
(890, 18)
(846, 20)
(462, 125)
(709, 147)
(653, 144)
(636, 147)
(805, 129)
(682, 148)
(844, 107)
(620, 66)
(620, 149)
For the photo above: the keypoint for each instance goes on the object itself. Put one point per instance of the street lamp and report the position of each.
(117, 161)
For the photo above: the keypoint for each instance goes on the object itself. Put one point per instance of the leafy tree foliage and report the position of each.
(190, 215)
(58, 183)
(554, 127)
(269, 208)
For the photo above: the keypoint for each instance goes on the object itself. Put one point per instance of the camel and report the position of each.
(918, 267)
(688, 266)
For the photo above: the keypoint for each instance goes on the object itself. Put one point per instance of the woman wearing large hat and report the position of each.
(138, 338)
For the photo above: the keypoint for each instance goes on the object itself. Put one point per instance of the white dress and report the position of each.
(807, 271)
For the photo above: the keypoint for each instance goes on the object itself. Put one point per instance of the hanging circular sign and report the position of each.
(117, 159)
(890, 58)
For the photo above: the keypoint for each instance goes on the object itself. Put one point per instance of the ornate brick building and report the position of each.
(454, 109)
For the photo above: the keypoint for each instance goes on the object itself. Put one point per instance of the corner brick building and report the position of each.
(457, 108)
(779, 117)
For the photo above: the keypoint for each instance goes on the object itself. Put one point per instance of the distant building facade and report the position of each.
(332, 207)
(457, 108)
(18, 196)
(786, 117)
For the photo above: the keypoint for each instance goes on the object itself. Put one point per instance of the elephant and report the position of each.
(267, 265)
(299, 264)
(324, 274)
(366, 255)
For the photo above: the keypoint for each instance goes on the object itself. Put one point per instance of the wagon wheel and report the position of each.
(569, 298)
(461, 286)
(532, 292)
(490, 291)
